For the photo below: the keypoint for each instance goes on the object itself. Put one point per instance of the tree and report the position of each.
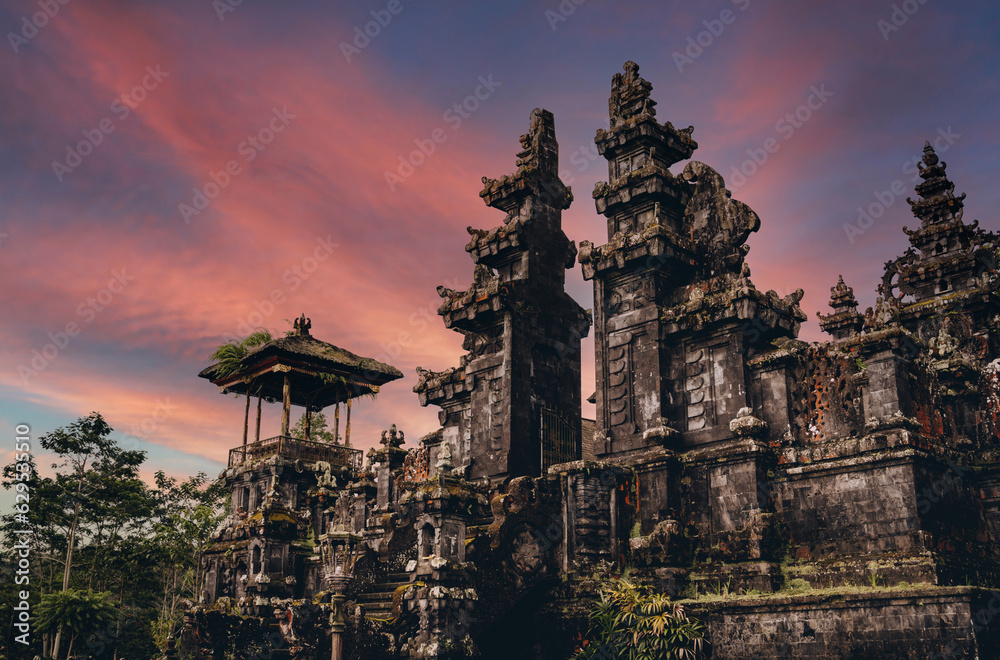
(99, 472)
(632, 622)
(319, 430)
(80, 613)
(96, 521)
(187, 512)
(230, 360)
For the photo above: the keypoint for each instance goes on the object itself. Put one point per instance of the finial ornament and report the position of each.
(302, 325)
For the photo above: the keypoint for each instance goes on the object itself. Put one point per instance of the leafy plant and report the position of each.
(230, 358)
(76, 612)
(722, 588)
(632, 622)
(319, 430)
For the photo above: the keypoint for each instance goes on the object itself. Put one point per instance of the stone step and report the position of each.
(377, 599)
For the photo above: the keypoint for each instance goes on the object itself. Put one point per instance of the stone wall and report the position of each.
(956, 622)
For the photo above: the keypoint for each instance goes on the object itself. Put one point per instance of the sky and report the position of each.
(175, 172)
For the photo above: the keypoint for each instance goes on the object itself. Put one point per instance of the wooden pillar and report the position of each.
(308, 424)
(347, 426)
(259, 399)
(336, 424)
(286, 404)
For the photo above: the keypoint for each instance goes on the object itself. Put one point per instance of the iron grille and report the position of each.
(558, 440)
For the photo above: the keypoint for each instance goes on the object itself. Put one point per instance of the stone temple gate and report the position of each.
(845, 493)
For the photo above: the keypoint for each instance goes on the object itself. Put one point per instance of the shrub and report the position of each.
(632, 622)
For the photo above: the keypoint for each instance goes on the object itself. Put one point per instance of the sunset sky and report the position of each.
(113, 115)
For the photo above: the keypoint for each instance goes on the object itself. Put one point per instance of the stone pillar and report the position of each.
(595, 512)
(440, 509)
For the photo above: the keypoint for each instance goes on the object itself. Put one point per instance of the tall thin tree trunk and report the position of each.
(246, 420)
(257, 435)
(69, 557)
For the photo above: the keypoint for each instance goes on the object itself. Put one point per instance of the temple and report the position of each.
(838, 499)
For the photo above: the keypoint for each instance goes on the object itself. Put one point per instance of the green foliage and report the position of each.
(139, 543)
(230, 355)
(79, 613)
(632, 622)
(722, 588)
(319, 430)
(797, 585)
(343, 387)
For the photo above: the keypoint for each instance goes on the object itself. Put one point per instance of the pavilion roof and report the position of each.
(321, 374)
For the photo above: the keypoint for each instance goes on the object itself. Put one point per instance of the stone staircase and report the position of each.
(377, 600)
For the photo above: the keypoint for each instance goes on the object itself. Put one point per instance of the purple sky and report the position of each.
(172, 92)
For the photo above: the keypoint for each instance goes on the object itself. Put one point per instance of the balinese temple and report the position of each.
(262, 536)
(834, 499)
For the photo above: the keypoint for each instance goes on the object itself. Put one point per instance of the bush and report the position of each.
(632, 622)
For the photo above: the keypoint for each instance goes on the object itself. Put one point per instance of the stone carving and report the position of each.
(526, 555)
(392, 437)
(719, 224)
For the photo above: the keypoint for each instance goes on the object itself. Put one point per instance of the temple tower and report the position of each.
(673, 267)
(943, 290)
(513, 405)
(677, 323)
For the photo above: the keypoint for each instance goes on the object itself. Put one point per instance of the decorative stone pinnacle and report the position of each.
(937, 202)
(537, 170)
(845, 320)
(842, 297)
(630, 96)
(392, 437)
(930, 156)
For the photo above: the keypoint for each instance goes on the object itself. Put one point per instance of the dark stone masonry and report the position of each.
(829, 500)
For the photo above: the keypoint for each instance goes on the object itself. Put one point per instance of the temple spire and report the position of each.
(630, 96)
(845, 320)
(937, 201)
